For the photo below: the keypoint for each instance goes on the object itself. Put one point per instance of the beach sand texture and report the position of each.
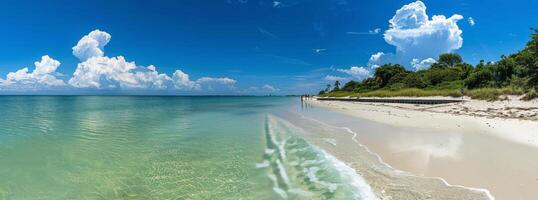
(474, 149)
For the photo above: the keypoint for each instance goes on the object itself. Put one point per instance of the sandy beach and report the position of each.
(476, 144)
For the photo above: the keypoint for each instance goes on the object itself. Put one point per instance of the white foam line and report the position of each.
(281, 148)
(365, 191)
(354, 138)
(279, 145)
(283, 173)
(277, 189)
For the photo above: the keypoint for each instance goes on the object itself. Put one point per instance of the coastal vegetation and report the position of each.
(516, 74)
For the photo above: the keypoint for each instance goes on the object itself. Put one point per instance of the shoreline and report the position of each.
(401, 154)
(385, 181)
(482, 116)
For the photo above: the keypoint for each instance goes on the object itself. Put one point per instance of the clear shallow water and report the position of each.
(87, 147)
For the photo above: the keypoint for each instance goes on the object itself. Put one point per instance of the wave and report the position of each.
(300, 170)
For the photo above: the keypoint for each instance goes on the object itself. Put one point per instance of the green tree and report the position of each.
(503, 70)
(336, 85)
(532, 62)
(389, 74)
(368, 84)
(350, 86)
(450, 59)
(436, 76)
(466, 69)
(480, 78)
(415, 80)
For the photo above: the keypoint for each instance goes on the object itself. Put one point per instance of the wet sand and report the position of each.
(466, 154)
(386, 182)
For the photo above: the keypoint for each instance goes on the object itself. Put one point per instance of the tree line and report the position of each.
(518, 71)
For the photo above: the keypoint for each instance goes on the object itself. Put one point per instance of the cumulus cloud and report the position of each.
(358, 73)
(99, 71)
(422, 64)
(105, 72)
(91, 45)
(44, 75)
(335, 78)
(353, 73)
(416, 36)
(182, 81)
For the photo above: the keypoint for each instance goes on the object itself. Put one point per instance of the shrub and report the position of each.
(410, 92)
(439, 75)
(350, 86)
(451, 85)
(480, 78)
(339, 94)
(414, 80)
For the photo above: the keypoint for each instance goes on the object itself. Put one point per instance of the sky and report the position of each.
(241, 47)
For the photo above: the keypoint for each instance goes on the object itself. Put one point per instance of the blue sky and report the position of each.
(239, 46)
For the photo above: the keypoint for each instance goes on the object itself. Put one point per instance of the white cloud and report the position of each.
(270, 88)
(91, 45)
(370, 32)
(375, 57)
(182, 81)
(358, 73)
(265, 89)
(105, 72)
(150, 78)
(422, 64)
(214, 84)
(44, 75)
(224, 81)
(471, 21)
(416, 36)
(375, 31)
(335, 78)
(99, 71)
(276, 4)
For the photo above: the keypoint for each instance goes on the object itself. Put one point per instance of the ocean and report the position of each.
(152, 147)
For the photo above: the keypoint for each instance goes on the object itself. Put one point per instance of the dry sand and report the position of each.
(491, 145)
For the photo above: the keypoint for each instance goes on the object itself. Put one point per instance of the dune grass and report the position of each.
(532, 94)
(409, 92)
(488, 94)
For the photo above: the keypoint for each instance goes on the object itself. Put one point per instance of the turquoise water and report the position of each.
(129, 147)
